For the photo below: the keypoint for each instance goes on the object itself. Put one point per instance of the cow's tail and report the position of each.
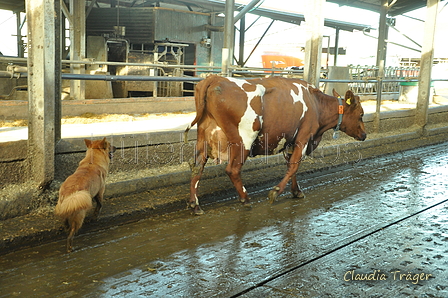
(199, 100)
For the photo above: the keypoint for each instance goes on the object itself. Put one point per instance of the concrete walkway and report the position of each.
(176, 121)
(157, 123)
(385, 217)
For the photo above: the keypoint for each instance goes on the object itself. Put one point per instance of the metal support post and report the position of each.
(77, 45)
(19, 25)
(43, 72)
(381, 60)
(426, 62)
(336, 47)
(242, 38)
(227, 50)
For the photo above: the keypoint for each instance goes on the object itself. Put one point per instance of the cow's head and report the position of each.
(352, 123)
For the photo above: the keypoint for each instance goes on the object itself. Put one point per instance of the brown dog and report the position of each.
(88, 181)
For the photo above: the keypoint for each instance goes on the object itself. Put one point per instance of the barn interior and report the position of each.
(371, 207)
(145, 57)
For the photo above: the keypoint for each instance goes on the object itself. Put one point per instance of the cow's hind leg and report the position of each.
(237, 156)
(196, 172)
(293, 165)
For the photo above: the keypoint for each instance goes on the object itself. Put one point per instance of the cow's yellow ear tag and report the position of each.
(348, 101)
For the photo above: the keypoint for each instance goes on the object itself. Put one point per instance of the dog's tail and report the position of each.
(73, 203)
(72, 209)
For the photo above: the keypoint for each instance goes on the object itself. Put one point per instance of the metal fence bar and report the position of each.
(70, 76)
(199, 68)
(363, 78)
(112, 78)
(390, 73)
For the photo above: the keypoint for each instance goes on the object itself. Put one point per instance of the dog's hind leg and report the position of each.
(98, 199)
(71, 234)
(75, 222)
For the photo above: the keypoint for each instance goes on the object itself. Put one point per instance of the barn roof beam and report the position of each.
(259, 41)
(245, 10)
(397, 7)
(89, 9)
(217, 6)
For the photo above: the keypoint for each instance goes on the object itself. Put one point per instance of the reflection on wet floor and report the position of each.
(336, 228)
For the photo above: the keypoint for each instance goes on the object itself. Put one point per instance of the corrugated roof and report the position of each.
(13, 5)
(289, 17)
(398, 7)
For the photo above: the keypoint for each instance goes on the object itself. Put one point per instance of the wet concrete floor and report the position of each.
(383, 219)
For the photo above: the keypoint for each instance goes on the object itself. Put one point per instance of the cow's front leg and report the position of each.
(293, 165)
(295, 189)
(237, 157)
(196, 172)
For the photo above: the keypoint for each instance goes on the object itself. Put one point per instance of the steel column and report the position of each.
(43, 72)
(227, 50)
(19, 25)
(77, 45)
(382, 36)
(242, 39)
(426, 62)
(336, 47)
(381, 59)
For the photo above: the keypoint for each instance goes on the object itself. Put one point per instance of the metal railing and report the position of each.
(362, 77)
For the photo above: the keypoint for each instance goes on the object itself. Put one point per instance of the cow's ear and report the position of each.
(88, 143)
(350, 98)
(335, 94)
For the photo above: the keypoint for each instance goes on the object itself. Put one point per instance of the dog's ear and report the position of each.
(88, 143)
(104, 144)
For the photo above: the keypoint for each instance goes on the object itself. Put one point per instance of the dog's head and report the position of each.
(101, 145)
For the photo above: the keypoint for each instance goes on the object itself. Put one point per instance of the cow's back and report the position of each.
(257, 113)
(230, 111)
(288, 106)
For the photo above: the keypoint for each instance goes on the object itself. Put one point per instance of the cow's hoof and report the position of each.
(246, 203)
(297, 194)
(198, 211)
(273, 194)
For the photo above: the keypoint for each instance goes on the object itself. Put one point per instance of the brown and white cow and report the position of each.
(238, 118)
